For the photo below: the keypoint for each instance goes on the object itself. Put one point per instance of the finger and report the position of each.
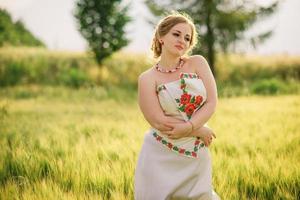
(170, 123)
(168, 127)
(209, 142)
(166, 132)
(165, 128)
(169, 132)
(172, 137)
(206, 143)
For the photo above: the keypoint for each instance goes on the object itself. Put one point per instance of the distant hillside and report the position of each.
(15, 34)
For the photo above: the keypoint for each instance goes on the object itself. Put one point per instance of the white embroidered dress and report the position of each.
(180, 168)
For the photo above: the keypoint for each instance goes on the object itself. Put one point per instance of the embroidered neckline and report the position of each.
(181, 75)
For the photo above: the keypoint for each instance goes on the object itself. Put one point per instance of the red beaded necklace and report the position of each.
(179, 65)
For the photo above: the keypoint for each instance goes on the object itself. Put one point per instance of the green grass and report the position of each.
(59, 143)
(236, 74)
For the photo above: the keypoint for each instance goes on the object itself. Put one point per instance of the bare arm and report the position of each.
(203, 70)
(202, 115)
(149, 104)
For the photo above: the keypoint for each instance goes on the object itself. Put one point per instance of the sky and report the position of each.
(52, 21)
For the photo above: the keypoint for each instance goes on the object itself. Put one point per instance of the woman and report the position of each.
(177, 97)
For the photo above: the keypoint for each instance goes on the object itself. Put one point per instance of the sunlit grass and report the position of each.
(84, 146)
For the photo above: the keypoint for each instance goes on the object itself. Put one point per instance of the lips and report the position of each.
(179, 47)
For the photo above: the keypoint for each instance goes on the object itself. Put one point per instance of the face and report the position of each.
(177, 40)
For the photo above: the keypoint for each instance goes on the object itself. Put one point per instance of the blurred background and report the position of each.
(248, 44)
(70, 125)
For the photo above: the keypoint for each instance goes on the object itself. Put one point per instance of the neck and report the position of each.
(168, 61)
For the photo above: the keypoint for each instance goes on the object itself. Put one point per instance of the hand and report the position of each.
(180, 129)
(163, 127)
(167, 123)
(171, 120)
(206, 134)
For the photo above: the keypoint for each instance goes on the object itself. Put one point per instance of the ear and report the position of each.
(161, 40)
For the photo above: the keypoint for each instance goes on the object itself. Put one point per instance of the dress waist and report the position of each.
(186, 146)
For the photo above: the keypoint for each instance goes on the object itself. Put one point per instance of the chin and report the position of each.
(178, 53)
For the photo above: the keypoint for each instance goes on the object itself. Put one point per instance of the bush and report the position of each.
(236, 75)
(240, 68)
(268, 86)
(40, 66)
(73, 77)
(11, 74)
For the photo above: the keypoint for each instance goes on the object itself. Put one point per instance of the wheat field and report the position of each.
(73, 144)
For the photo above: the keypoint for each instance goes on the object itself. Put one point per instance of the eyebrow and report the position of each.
(180, 32)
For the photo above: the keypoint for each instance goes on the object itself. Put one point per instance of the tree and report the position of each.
(15, 34)
(220, 23)
(101, 23)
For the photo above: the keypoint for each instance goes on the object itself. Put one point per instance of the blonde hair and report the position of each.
(165, 25)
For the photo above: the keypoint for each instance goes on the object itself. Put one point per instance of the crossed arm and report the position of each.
(154, 114)
(203, 71)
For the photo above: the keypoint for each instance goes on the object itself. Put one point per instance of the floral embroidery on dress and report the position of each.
(188, 103)
(188, 75)
(197, 146)
(182, 75)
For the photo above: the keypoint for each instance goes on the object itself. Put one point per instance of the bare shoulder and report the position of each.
(198, 60)
(195, 61)
(147, 76)
(199, 64)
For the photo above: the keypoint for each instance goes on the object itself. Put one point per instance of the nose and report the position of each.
(181, 40)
